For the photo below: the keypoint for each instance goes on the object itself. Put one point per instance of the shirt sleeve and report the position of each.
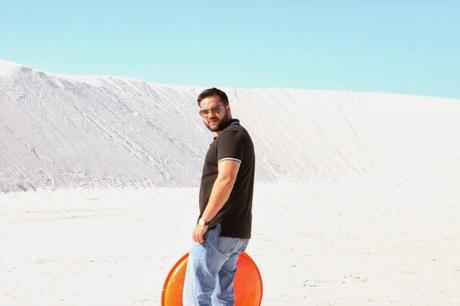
(230, 146)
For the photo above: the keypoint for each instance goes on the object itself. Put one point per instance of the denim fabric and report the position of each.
(211, 269)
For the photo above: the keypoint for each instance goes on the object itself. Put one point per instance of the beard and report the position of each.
(222, 124)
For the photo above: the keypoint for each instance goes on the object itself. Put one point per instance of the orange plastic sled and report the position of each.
(247, 285)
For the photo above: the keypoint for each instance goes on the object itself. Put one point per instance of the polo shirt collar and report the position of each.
(230, 122)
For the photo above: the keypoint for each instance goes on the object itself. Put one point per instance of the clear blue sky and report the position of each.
(398, 46)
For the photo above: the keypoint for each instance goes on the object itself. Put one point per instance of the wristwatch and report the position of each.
(203, 222)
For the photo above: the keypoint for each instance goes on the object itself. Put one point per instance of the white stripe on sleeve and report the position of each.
(229, 158)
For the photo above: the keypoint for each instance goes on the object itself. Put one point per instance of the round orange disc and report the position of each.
(247, 285)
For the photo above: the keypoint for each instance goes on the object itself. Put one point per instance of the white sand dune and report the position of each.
(67, 131)
(356, 197)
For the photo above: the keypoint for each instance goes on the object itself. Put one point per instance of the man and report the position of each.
(224, 224)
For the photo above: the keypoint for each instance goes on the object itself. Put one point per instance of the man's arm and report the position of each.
(223, 185)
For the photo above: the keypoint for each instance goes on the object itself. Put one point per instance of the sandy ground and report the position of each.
(362, 242)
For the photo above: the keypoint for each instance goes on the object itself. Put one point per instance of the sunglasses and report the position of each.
(215, 110)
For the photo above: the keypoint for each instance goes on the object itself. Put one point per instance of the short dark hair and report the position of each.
(213, 92)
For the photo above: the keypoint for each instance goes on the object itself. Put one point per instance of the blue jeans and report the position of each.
(211, 269)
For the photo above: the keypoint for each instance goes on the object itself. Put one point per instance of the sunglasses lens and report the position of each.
(214, 110)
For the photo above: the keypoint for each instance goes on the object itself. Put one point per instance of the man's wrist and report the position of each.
(203, 222)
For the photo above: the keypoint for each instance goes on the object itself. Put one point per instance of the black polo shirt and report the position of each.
(233, 143)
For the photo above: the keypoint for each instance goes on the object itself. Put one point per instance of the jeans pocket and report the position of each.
(228, 245)
(211, 235)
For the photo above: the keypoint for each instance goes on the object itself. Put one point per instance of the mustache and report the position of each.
(222, 124)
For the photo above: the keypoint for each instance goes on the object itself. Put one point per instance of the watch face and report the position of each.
(202, 222)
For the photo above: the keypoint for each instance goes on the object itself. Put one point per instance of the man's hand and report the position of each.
(199, 232)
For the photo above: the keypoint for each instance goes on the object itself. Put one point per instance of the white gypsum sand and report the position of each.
(65, 131)
(355, 243)
(362, 207)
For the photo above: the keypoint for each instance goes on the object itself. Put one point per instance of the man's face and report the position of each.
(214, 113)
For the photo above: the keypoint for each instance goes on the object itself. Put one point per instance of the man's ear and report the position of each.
(227, 108)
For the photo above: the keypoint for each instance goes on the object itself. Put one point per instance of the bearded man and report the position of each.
(224, 224)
